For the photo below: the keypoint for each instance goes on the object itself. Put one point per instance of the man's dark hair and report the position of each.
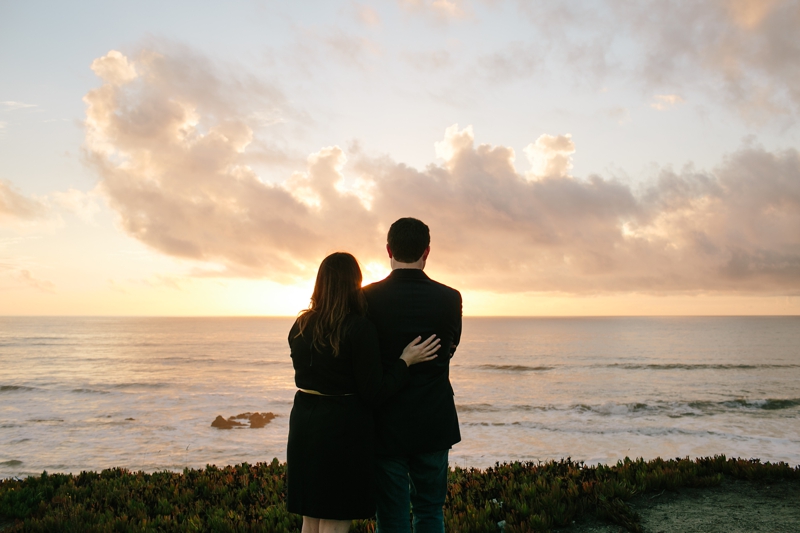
(408, 239)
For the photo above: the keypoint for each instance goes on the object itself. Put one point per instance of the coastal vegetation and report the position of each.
(509, 497)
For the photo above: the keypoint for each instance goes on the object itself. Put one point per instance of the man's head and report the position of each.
(408, 241)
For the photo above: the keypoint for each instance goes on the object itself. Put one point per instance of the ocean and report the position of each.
(92, 393)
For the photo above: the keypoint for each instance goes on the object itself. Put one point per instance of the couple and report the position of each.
(374, 418)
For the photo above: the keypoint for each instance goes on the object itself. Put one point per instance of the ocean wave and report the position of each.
(36, 338)
(670, 409)
(768, 404)
(89, 391)
(477, 408)
(12, 462)
(516, 368)
(698, 366)
(134, 385)
(605, 409)
(215, 360)
(611, 409)
(15, 388)
(641, 366)
(624, 430)
(38, 341)
(489, 408)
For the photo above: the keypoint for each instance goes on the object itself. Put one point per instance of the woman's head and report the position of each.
(337, 292)
(338, 282)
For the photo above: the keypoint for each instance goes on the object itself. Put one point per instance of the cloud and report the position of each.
(320, 49)
(368, 16)
(619, 114)
(160, 281)
(351, 51)
(172, 146)
(114, 68)
(550, 156)
(441, 10)
(175, 169)
(83, 204)
(43, 285)
(429, 61)
(578, 35)
(733, 229)
(13, 106)
(744, 50)
(116, 287)
(515, 61)
(14, 206)
(740, 52)
(666, 101)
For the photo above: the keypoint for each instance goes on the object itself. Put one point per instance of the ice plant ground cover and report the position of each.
(509, 497)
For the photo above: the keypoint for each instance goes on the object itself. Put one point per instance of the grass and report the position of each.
(509, 497)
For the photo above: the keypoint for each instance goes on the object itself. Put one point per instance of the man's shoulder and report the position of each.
(373, 287)
(445, 288)
(388, 286)
(390, 281)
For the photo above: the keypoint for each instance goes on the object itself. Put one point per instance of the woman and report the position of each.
(339, 373)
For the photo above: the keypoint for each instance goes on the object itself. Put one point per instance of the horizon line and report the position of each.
(784, 315)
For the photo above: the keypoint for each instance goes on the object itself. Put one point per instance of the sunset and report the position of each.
(611, 187)
(580, 161)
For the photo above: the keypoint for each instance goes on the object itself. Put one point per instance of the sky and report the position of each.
(610, 157)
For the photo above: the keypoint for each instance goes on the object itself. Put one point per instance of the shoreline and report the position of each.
(634, 495)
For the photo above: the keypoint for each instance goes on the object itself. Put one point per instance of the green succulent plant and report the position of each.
(508, 497)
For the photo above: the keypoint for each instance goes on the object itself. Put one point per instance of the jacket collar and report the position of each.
(408, 273)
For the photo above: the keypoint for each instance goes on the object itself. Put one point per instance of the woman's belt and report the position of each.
(308, 391)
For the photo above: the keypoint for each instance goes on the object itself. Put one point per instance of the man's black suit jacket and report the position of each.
(422, 416)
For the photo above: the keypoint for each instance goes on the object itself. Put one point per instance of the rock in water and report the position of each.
(221, 423)
(259, 420)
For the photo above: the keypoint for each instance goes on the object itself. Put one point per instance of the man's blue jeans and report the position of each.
(418, 482)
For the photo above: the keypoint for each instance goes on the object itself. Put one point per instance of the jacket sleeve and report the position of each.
(374, 382)
(458, 312)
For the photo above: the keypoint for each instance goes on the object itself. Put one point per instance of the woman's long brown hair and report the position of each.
(337, 292)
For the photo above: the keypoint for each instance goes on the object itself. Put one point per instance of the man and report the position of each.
(416, 426)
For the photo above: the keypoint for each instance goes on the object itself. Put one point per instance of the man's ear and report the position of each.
(389, 251)
(425, 253)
